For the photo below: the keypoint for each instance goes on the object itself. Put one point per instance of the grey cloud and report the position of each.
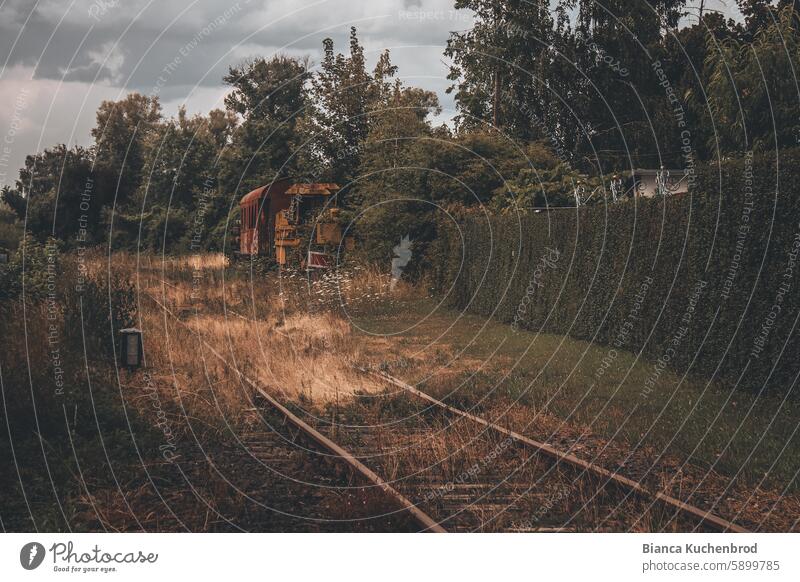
(206, 37)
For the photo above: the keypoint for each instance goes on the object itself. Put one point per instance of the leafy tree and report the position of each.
(343, 95)
(267, 97)
(14, 201)
(183, 160)
(683, 58)
(500, 66)
(547, 187)
(755, 102)
(10, 226)
(392, 186)
(179, 185)
(221, 125)
(761, 14)
(471, 167)
(581, 79)
(122, 135)
(54, 193)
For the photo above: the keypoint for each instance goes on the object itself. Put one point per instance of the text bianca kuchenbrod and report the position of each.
(707, 548)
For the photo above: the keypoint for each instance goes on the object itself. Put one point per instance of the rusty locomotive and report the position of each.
(293, 224)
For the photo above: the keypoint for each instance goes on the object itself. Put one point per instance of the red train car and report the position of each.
(275, 218)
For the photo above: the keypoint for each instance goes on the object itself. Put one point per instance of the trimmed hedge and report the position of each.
(720, 263)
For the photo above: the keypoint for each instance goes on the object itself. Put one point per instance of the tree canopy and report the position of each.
(548, 96)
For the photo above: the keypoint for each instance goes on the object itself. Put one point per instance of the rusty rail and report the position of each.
(427, 523)
(616, 479)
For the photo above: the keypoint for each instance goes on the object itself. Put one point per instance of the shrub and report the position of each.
(705, 283)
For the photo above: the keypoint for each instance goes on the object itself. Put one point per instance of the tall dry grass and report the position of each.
(285, 330)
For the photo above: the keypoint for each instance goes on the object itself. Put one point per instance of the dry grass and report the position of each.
(279, 329)
(293, 336)
(286, 332)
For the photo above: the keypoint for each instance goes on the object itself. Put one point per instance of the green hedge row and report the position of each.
(705, 283)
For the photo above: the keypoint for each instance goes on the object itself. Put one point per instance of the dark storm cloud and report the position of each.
(129, 43)
(126, 44)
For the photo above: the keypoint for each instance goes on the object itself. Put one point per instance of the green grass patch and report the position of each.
(737, 432)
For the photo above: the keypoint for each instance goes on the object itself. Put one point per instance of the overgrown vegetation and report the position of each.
(94, 446)
(64, 416)
(704, 284)
(689, 436)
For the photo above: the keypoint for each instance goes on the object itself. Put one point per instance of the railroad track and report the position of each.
(485, 478)
(425, 522)
(673, 509)
(271, 478)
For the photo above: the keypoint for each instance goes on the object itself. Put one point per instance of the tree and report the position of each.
(179, 186)
(499, 69)
(755, 102)
(122, 135)
(399, 138)
(55, 193)
(184, 157)
(343, 95)
(14, 200)
(392, 191)
(267, 97)
(582, 80)
(10, 226)
(756, 14)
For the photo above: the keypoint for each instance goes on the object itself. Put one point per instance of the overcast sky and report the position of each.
(60, 59)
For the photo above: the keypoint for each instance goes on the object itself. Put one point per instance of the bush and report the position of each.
(96, 309)
(10, 228)
(63, 324)
(63, 411)
(31, 269)
(705, 283)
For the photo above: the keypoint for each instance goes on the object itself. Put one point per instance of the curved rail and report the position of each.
(427, 523)
(704, 517)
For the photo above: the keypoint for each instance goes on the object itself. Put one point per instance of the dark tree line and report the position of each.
(585, 77)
